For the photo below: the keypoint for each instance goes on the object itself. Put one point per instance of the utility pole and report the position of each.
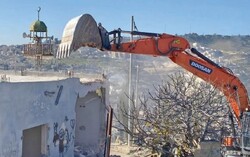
(136, 86)
(129, 85)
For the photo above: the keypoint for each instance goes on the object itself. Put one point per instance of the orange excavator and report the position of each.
(84, 31)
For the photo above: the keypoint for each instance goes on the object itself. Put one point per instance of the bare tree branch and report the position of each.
(183, 110)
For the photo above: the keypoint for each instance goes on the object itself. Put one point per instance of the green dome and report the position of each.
(38, 26)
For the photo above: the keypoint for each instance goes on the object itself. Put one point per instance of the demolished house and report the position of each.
(53, 118)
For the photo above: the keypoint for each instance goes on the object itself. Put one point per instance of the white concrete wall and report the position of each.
(89, 136)
(27, 105)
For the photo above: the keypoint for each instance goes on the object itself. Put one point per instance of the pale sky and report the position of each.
(225, 17)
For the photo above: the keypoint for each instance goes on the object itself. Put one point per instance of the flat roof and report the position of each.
(37, 76)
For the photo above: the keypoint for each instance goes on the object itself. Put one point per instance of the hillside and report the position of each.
(239, 43)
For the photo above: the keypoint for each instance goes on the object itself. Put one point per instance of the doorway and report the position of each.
(35, 141)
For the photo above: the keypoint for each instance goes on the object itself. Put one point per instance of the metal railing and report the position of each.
(41, 49)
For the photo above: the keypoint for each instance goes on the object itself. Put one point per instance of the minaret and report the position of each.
(40, 41)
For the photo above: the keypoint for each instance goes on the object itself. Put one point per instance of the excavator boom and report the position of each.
(84, 31)
(87, 33)
(178, 50)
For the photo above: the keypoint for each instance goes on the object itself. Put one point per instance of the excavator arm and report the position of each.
(178, 50)
(83, 31)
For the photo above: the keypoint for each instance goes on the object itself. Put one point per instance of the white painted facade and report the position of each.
(52, 118)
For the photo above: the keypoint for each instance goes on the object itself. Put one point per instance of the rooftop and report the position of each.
(36, 76)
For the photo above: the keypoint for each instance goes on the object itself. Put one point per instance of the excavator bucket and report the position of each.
(79, 31)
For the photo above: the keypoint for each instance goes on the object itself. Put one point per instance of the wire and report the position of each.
(135, 28)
